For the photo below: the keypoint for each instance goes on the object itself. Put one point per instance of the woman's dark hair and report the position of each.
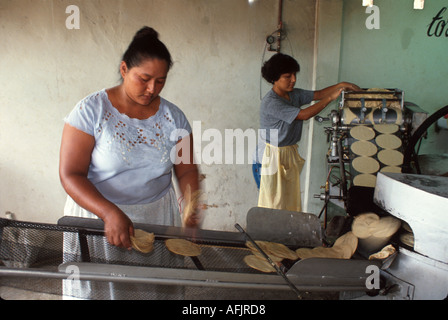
(277, 65)
(146, 44)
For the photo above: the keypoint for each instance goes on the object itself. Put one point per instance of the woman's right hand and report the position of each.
(118, 228)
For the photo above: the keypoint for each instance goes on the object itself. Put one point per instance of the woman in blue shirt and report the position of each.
(281, 117)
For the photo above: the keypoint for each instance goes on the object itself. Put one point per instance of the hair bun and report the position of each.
(146, 32)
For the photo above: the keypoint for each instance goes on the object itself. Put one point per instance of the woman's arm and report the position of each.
(324, 97)
(187, 175)
(342, 86)
(75, 156)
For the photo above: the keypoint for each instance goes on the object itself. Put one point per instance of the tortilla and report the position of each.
(371, 225)
(385, 227)
(142, 241)
(260, 243)
(275, 251)
(362, 223)
(343, 248)
(390, 157)
(388, 141)
(364, 148)
(392, 169)
(347, 244)
(365, 165)
(183, 247)
(271, 256)
(304, 253)
(281, 251)
(259, 264)
(321, 252)
(365, 180)
(386, 128)
(384, 253)
(362, 133)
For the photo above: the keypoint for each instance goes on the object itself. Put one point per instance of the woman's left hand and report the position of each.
(347, 86)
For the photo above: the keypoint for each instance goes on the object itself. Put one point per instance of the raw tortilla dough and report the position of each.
(183, 247)
(365, 165)
(365, 180)
(348, 116)
(257, 263)
(390, 157)
(393, 169)
(364, 148)
(386, 128)
(388, 141)
(362, 132)
(370, 95)
(142, 241)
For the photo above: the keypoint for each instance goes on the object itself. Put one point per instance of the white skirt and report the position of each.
(164, 211)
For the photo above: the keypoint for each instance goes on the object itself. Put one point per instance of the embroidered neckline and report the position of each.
(116, 111)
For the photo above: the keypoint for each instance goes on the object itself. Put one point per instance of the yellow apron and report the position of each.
(280, 178)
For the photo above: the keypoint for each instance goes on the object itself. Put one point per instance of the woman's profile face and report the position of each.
(144, 82)
(286, 82)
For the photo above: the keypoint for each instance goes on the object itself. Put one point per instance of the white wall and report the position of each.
(217, 46)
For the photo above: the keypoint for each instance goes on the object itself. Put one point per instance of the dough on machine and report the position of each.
(365, 165)
(365, 180)
(386, 128)
(390, 157)
(388, 141)
(364, 148)
(362, 132)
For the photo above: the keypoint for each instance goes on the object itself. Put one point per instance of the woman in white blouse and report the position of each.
(118, 145)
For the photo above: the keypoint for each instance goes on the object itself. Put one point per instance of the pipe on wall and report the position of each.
(280, 25)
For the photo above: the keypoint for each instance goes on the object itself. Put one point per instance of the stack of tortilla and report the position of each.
(374, 232)
(142, 241)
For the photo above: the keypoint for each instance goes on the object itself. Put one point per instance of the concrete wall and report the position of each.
(217, 46)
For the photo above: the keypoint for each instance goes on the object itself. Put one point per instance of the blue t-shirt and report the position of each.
(130, 162)
(280, 114)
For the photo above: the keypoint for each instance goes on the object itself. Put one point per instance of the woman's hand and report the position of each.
(118, 228)
(335, 93)
(347, 86)
(342, 86)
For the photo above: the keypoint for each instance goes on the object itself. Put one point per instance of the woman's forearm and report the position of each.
(311, 111)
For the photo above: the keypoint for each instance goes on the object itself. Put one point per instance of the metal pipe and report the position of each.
(280, 25)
